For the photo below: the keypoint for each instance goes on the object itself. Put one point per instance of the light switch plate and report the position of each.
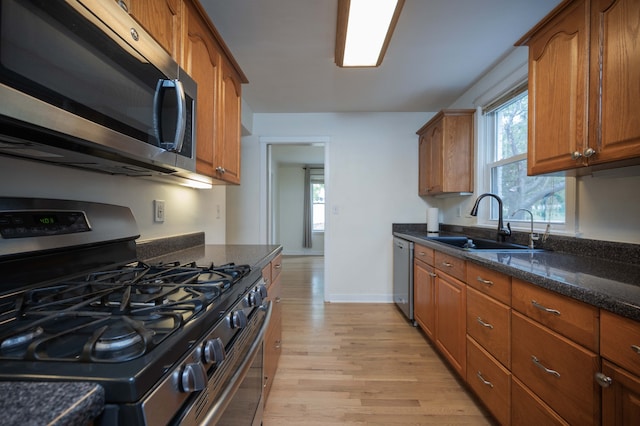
(158, 210)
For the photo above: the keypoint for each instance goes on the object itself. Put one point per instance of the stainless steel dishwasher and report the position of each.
(403, 276)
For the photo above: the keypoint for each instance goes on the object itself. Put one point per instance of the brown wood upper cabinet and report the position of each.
(445, 153)
(162, 19)
(184, 30)
(219, 79)
(584, 76)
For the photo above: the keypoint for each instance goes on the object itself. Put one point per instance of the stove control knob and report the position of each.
(193, 377)
(213, 351)
(254, 298)
(262, 289)
(237, 319)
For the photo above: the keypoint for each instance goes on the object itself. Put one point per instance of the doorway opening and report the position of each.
(296, 194)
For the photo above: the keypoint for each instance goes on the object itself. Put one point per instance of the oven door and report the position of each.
(81, 76)
(247, 404)
(240, 400)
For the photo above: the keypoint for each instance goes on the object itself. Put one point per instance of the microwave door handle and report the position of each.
(181, 114)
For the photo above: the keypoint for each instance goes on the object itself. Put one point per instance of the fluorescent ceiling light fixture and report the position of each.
(364, 31)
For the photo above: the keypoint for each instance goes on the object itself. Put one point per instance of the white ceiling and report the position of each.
(438, 50)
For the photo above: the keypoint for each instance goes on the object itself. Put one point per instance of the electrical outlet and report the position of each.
(158, 210)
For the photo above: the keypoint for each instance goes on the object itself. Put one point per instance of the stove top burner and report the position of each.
(109, 316)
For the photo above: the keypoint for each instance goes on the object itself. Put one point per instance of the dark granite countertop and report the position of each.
(610, 285)
(50, 403)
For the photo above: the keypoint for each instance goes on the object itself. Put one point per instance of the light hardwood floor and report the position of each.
(357, 364)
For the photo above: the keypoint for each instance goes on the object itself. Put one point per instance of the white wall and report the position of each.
(187, 210)
(371, 176)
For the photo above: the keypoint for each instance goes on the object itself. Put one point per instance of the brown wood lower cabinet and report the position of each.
(620, 349)
(557, 370)
(620, 400)
(451, 328)
(273, 337)
(490, 381)
(529, 410)
(424, 292)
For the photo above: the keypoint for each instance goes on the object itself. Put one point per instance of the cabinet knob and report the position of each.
(220, 169)
(576, 155)
(123, 5)
(589, 152)
(604, 380)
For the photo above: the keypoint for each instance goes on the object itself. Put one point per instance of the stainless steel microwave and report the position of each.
(83, 85)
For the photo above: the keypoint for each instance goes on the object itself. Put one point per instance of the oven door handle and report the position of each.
(216, 411)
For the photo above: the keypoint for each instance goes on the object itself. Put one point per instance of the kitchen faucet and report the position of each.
(532, 237)
(502, 231)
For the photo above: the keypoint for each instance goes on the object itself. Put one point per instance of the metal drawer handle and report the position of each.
(447, 264)
(278, 300)
(543, 368)
(486, 382)
(636, 349)
(422, 253)
(483, 281)
(431, 274)
(484, 324)
(544, 308)
(278, 266)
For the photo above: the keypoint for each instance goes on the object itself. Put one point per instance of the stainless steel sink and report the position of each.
(473, 244)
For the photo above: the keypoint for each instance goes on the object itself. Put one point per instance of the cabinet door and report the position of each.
(621, 400)
(431, 159)
(162, 20)
(202, 62)
(615, 75)
(451, 326)
(273, 338)
(227, 149)
(456, 174)
(558, 69)
(424, 161)
(424, 292)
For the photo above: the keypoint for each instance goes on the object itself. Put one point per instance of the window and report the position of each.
(506, 168)
(317, 199)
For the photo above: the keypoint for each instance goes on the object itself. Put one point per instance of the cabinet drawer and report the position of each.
(451, 265)
(276, 267)
(529, 410)
(489, 323)
(571, 318)
(493, 283)
(560, 372)
(489, 380)
(423, 253)
(620, 341)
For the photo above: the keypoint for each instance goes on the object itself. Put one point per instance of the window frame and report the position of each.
(317, 179)
(484, 163)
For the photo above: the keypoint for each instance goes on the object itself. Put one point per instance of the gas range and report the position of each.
(75, 305)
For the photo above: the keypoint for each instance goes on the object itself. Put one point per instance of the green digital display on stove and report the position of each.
(25, 224)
